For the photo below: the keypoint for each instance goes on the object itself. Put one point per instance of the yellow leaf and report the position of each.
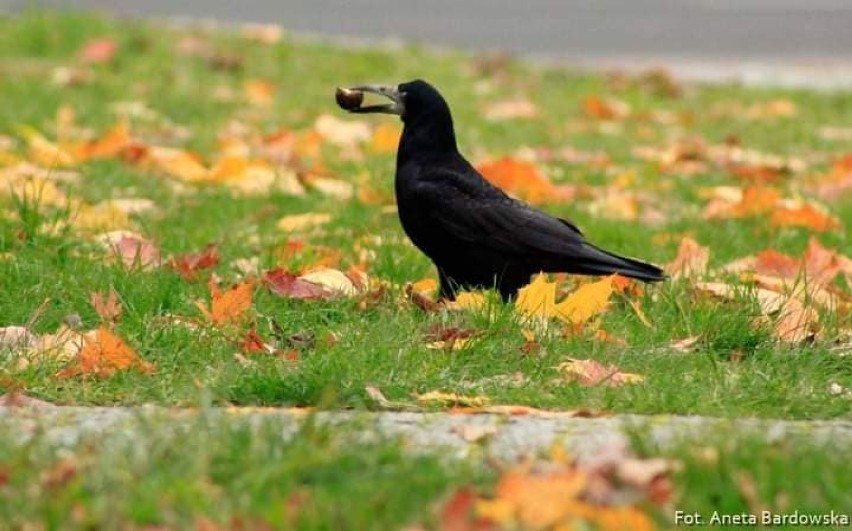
(427, 286)
(332, 280)
(178, 163)
(300, 222)
(468, 301)
(45, 152)
(588, 301)
(537, 299)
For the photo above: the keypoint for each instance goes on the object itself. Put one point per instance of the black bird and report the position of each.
(477, 236)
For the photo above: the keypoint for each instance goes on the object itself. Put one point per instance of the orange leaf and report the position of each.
(229, 307)
(805, 216)
(605, 109)
(104, 356)
(110, 145)
(187, 265)
(178, 163)
(537, 299)
(523, 179)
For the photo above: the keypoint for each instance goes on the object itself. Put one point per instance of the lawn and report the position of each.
(194, 138)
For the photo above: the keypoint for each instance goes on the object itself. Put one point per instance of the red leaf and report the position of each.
(188, 264)
(286, 284)
(107, 307)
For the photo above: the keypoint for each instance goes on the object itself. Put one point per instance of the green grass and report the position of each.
(233, 474)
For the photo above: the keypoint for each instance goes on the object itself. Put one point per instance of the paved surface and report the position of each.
(739, 29)
(499, 436)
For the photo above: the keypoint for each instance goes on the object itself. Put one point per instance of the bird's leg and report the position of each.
(448, 286)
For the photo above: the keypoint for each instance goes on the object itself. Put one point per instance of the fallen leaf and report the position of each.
(343, 133)
(132, 249)
(105, 355)
(511, 109)
(691, 260)
(385, 138)
(188, 265)
(524, 180)
(98, 51)
(605, 109)
(587, 301)
(331, 280)
(686, 344)
(806, 216)
(286, 284)
(229, 307)
(537, 299)
(590, 372)
(107, 307)
(259, 92)
(301, 222)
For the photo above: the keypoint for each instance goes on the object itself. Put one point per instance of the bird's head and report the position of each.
(411, 101)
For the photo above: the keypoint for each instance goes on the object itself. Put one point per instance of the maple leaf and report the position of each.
(524, 180)
(286, 284)
(177, 163)
(229, 307)
(187, 265)
(107, 307)
(343, 133)
(590, 372)
(691, 259)
(332, 280)
(537, 299)
(110, 145)
(105, 355)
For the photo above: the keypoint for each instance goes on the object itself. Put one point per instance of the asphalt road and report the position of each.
(565, 29)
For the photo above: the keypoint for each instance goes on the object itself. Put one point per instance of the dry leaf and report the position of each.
(691, 260)
(587, 301)
(100, 50)
(286, 284)
(590, 372)
(229, 307)
(301, 222)
(259, 92)
(103, 356)
(524, 180)
(107, 307)
(188, 265)
(512, 109)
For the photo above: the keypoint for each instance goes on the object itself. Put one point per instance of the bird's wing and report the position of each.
(482, 215)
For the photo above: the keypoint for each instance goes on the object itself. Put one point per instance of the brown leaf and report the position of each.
(457, 512)
(691, 260)
(105, 355)
(107, 307)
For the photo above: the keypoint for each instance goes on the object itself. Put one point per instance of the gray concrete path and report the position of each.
(499, 436)
(792, 43)
(740, 29)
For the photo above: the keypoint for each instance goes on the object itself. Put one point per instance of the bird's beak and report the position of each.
(392, 93)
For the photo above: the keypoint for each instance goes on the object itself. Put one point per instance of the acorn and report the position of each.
(348, 99)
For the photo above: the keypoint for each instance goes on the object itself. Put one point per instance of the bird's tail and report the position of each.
(595, 261)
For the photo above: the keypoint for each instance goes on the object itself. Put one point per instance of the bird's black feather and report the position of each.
(477, 236)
